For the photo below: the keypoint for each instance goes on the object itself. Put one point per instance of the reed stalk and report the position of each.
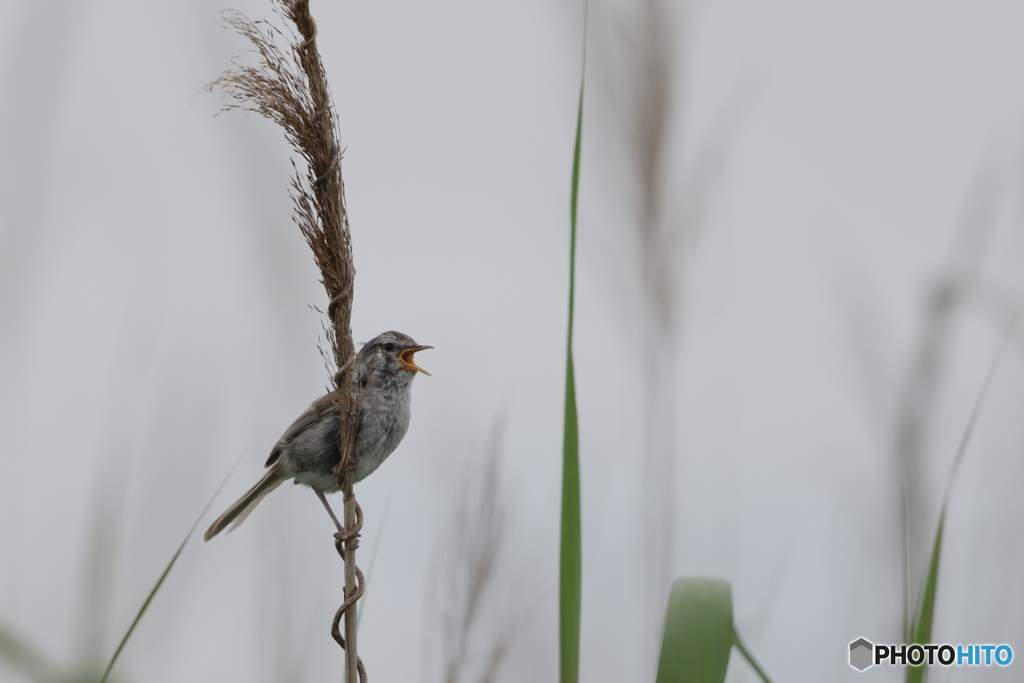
(288, 85)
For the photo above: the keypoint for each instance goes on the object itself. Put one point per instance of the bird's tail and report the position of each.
(245, 505)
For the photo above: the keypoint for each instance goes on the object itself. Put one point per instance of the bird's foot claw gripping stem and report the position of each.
(349, 537)
(342, 535)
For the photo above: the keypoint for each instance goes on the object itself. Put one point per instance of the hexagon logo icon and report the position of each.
(861, 652)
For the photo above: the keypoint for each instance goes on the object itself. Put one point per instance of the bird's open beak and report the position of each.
(407, 355)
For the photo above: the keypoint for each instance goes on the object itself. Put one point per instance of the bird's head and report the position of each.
(391, 352)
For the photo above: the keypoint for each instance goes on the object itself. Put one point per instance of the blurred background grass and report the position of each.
(836, 302)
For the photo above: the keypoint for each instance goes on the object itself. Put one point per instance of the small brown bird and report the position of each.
(308, 450)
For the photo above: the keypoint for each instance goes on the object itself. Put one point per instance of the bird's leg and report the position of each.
(323, 499)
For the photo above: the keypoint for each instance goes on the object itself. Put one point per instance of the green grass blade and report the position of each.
(160, 581)
(570, 560)
(699, 632)
(922, 624)
(145, 606)
(972, 420)
(750, 659)
(922, 633)
(571, 565)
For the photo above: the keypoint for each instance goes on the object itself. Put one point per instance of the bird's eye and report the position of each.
(389, 347)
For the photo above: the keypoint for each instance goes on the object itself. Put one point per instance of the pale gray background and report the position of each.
(154, 327)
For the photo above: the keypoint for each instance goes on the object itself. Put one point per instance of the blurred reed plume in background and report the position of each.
(961, 287)
(669, 186)
(474, 640)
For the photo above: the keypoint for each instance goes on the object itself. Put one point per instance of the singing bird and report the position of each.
(308, 450)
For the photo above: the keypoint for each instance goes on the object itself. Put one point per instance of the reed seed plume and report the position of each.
(288, 85)
(669, 211)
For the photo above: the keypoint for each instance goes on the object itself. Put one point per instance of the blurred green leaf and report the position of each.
(698, 632)
(24, 658)
(571, 564)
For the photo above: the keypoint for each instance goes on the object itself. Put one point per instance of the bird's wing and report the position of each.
(371, 443)
(319, 409)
